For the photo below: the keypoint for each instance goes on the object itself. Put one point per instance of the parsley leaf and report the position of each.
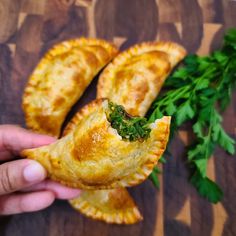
(206, 188)
(185, 112)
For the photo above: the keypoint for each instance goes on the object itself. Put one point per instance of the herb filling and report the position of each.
(128, 127)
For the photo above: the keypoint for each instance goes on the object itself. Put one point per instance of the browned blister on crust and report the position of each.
(60, 79)
(112, 206)
(135, 76)
(94, 156)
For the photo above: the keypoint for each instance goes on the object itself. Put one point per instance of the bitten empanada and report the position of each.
(114, 206)
(60, 79)
(111, 205)
(136, 75)
(95, 156)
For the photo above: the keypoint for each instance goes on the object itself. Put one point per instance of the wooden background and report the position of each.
(29, 27)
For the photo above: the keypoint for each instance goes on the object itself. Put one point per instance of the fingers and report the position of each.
(60, 191)
(14, 139)
(27, 202)
(5, 155)
(16, 175)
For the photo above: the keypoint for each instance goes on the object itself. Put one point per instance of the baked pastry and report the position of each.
(134, 78)
(60, 79)
(110, 205)
(95, 156)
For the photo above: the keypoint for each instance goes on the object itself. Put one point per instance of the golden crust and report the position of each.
(175, 51)
(93, 155)
(112, 206)
(82, 114)
(135, 76)
(60, 79)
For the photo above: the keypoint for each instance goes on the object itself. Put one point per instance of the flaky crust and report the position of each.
(135, 76)
(60, 79)
(94, 156)
(82, 114)
(112, 206)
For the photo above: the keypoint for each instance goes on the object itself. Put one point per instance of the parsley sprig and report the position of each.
(199, 92)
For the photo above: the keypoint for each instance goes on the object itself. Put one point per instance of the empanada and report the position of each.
(94, 155)
(60, 79)
(136, 75)
(112, 206)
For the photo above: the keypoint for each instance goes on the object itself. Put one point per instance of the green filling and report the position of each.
(128, 127)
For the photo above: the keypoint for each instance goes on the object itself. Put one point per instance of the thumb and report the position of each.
(16, 175)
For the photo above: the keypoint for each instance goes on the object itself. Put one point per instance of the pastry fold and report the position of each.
(60, 79)
(111, 205)
(94, 156)
(134, 78)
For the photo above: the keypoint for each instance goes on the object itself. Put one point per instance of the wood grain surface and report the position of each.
(29, 27)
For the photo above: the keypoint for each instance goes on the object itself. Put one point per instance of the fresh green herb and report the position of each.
(128, 127)
(156, 171)
(199, 92)
(154, 176)
(206, 187)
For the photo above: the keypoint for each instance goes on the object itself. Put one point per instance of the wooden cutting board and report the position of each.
(29, 27)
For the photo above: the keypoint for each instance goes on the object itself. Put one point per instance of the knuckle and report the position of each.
(6, 183)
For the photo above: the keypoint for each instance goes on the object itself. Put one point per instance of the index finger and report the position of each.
(13, 139)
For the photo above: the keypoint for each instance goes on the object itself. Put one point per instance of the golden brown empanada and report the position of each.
(60, 79)
(112, 206)
(136, 75)
(94, 156)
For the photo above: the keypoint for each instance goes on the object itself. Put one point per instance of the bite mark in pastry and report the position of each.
(94, 156)
(60, 79)
(135, 76)
(111, 205)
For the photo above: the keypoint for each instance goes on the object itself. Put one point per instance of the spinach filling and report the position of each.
(128, 127)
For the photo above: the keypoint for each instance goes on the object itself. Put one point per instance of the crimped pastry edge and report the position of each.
(56, 50)
(144, 170)
(124, 216)
(163, 46)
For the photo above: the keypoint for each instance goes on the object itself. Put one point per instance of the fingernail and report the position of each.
(34, 172)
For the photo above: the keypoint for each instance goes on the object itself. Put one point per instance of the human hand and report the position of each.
(23, 187)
